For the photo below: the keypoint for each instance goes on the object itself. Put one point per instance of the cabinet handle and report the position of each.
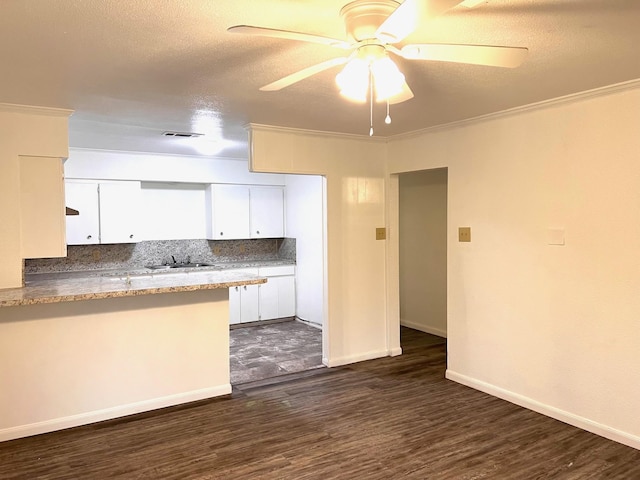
(221, 233)
(236, 289)
(258, 232)
(131, 236)
(245, 287)
(88, 237)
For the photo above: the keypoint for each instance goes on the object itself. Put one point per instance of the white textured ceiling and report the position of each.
(132, 69)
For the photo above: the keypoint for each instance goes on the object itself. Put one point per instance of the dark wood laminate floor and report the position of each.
(382, 419)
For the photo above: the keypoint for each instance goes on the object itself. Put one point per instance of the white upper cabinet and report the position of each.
(108, 212)
(242, 212)
(227, 212)
(267, 212)
(119, 203)
(82, 229)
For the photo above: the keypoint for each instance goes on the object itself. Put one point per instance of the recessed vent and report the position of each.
(182, 134)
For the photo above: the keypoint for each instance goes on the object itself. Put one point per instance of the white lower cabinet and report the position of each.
(243, 304)
(269, 299)
(287, 296)
(278, 295)
(266, 301)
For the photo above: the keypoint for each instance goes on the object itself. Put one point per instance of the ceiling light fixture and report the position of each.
(373, 28)
(370, 69)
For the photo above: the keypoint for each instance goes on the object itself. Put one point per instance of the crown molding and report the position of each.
(553, 102)
(35, 110)
(316, 133)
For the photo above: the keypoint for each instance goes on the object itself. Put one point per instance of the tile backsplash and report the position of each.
(137, 255)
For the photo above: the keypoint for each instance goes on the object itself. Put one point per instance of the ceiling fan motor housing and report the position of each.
(363, 17)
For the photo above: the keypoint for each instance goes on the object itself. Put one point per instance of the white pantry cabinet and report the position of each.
(241, 212)
(108, 212)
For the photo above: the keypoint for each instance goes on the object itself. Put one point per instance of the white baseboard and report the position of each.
(394, 352)
(424, 328)
(109, 413)
(553, 412)
(309, 322)
(361, 357)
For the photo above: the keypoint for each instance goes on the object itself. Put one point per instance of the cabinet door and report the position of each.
(267, 212)
(234, 305)
(82, 229)
(286, 296)
(118, 212)
(249, 303)
(230, 212)
(269, 299)
(41, 207)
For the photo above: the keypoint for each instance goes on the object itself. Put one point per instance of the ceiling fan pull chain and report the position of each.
(370, 103)
(387, 119)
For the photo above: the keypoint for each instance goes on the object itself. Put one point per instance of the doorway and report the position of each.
(423, 250)
(266, 349)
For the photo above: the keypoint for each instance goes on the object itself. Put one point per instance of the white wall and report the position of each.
(356, 325)
(423, 251)
(72, 363)
(304, 221)
(28, 131)
(173, 207)
(110, 165)
(554, 328)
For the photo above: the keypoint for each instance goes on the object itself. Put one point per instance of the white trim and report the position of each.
(566, 99)
(35, 110)
(394, 352)
(321, 133)
(113, 412)
(424, 328)
(553, 412)
(360, 357)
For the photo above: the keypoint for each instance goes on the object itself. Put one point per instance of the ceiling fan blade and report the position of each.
(508, 57)
(404, 19)
(304, 73)
(303, 37)
(403, 96)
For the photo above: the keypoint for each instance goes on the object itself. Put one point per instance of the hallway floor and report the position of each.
(265, 351)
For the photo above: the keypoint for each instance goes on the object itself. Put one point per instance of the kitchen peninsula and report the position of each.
(80, 349)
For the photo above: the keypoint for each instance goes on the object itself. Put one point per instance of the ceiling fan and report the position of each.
(373, 28)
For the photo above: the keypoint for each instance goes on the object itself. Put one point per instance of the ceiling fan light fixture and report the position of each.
(472, 3)
(387, 78)
(353, 80)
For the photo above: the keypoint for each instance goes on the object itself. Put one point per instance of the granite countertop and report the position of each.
(50, 288)
(216, 267)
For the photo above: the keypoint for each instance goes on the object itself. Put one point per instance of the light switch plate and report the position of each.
(381, 233)
(464, 234)
(555, 236)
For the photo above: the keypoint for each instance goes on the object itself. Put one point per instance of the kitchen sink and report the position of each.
(178, 265)
(189, 265)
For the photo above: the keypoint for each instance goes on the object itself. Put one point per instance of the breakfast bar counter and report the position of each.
(79, 349)
(81, 286)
